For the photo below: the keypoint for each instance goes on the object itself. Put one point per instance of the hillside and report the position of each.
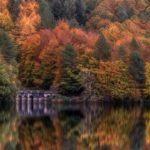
(8, 51)
(89, 48)
(121, 21)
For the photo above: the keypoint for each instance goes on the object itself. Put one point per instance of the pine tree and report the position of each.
(58, 9)
(70, 81)
(47, 18)
(69, 56)
(137, 67)
(69, 9)
(7, 47)
(6, 87)
(134, 44)
(80, 12)
(102, 50)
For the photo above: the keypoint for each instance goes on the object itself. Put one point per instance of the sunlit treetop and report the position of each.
(28, 18)
(5, 18)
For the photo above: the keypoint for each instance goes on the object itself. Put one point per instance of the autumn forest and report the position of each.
(96, 49)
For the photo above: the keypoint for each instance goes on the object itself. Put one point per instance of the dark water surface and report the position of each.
(76, 127)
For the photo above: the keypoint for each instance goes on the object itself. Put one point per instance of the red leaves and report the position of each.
(43, 48)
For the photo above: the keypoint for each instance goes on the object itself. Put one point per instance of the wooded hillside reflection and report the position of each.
(86, 127)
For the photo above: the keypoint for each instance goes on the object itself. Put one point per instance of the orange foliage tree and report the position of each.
(28, 18)
(5, 19)
(120, 21)
(42, 51)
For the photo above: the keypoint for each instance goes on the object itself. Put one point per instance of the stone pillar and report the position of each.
(45, 105)
(24, 99)
(18, 103)
(29, 104)
(35, 104)
(41, 99)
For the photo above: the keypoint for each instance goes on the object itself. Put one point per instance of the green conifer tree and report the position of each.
(47, 18)
(80, 11)
(137, 67)
(134, 44)
(70, 81)
(102, 49)
(7, 47)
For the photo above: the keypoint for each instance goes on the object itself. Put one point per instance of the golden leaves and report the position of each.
(28, 18)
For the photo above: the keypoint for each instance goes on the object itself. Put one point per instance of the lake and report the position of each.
(90, 126)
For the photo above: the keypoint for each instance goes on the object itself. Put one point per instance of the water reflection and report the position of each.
(8, 126)
(77, 127)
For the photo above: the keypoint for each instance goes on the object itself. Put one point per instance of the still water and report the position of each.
(76, 127)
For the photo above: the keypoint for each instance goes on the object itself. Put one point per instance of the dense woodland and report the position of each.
(90, 48)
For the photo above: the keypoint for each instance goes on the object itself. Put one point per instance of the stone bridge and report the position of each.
(33, 102)
(38, 103)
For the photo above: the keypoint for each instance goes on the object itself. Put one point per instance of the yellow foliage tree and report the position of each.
(28, 18)
(147, 83)
(115, 80)
(5, 19)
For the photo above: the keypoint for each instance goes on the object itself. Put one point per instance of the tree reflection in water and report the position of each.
(137, 136)
(88, 127)
(8, 126)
